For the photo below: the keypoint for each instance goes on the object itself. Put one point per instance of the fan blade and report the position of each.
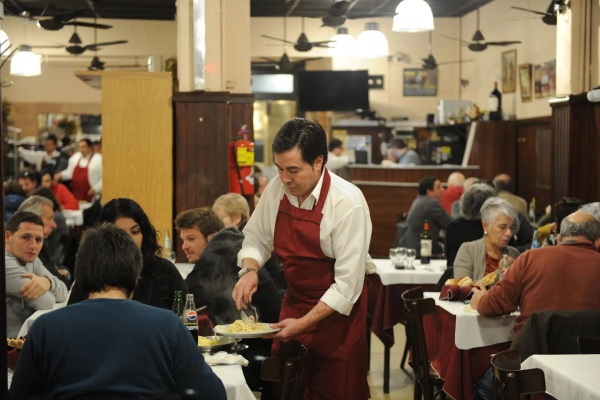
(57, 46)
(528, 10)
(281, 40)
(322, 42)
(50, 24)
(506, 43)
(458, 40)
(88, 25)
(96, 45)
(75, 49)
(455, 61)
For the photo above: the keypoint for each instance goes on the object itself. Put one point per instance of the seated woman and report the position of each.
(475, 259)
(159, 279)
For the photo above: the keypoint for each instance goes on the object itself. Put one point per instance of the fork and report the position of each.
(248, 314)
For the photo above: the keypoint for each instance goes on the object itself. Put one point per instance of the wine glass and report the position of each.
(401, 257)
(411, 254)
(393, 256)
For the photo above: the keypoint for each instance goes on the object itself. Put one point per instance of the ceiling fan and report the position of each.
(548, 17)
(284, 64)
(302, 44)
(478, 42)
(75, 47)
(59, 19)
(430, 62)
(336, 16)
(97, 65)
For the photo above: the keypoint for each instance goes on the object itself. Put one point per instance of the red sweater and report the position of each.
(65, 198)
(450, 195)
(564, 277)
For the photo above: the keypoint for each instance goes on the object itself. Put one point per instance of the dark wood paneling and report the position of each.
(494, 149)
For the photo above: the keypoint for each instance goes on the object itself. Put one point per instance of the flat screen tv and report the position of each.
(333, 90)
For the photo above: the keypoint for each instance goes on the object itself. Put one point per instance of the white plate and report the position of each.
(222, 330)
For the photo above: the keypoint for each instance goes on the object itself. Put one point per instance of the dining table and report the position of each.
(460, 342)
(385, 307)
(568, 376)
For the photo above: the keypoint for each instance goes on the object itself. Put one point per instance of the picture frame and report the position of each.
(544, 79)
(525, 82)
(509, 71)
(419, 82)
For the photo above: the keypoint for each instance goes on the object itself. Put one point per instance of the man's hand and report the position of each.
(478, 292)
(57, 178)
(37, 286)
(91, 192)
(290, 328)
(244, 289)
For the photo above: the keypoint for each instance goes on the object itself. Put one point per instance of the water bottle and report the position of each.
(167, 251)
(504, 266)
(535, 243)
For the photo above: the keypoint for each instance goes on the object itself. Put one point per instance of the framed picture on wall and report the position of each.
(525, 82)
(544, 78)
(420, 82)
(509, 71)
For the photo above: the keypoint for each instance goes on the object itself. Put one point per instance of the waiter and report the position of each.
(319, 227)
(85, 172)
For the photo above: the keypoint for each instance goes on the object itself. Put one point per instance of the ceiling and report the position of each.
(165, 9)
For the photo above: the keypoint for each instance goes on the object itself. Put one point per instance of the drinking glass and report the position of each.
(411, 254)
(401, 257)
(393, 256)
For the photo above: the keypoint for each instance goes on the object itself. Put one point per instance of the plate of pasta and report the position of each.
(245, 330)
(216, 343)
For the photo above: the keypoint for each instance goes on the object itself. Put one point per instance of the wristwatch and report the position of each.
(245, 270)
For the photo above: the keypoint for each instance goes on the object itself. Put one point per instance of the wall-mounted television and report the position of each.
(332, 90)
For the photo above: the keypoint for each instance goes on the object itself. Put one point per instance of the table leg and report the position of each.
(386, 369)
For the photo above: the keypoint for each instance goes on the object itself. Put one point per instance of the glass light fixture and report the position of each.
(25, 63)
(4, 42)
(343, 44)
(413, 16)
(372, 43)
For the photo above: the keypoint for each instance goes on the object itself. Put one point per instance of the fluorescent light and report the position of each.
(25, 63)
(343, 44)
(413, 16)
(372, 43)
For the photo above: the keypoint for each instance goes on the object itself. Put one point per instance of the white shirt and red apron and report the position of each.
(80, 183)
(336, 364)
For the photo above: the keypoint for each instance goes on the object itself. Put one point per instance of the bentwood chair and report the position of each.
(286, 371)
(588, 345)
(428, 384)
(510, 381)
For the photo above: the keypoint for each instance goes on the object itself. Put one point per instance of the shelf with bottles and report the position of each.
(442, 144)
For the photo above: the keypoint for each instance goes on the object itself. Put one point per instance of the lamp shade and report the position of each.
(25, 63)
(413, 16)
(4, 42)
(372, 43)
(342, 44)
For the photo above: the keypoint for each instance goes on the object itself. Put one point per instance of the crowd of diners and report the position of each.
(300, 258)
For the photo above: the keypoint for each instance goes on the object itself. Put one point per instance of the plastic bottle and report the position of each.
(189, 316)
(535, 243)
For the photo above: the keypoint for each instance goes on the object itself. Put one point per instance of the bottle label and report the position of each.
(493, 103)
(190, 315)
(426, 248)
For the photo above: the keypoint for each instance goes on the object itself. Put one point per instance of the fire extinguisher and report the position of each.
(241, 164)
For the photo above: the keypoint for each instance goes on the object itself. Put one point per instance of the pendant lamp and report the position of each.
(342, 44)
(413, 16)
(25, 63)
(372, 43)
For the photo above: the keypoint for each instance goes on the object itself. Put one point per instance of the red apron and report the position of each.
(80, 184)
(336, 364)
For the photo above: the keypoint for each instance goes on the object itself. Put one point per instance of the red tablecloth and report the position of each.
(461, 369)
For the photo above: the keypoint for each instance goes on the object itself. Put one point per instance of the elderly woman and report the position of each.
(159, 279)
(500, 221)
(232, 209)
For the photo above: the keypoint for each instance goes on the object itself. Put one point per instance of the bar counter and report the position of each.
(390, 191)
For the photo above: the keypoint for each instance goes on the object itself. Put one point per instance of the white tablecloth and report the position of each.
(231, 376)
(392, 276)
(29, 321)
(473, 330)
(569, 376)
(73, 217)
(184, 268)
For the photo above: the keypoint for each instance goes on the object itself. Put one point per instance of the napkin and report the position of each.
(455, 292)
(222, 357)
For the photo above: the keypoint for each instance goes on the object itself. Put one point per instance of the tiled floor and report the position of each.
(401, 383)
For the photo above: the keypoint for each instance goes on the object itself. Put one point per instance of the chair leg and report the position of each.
(417, 392)
(386, 369)
(405, 354)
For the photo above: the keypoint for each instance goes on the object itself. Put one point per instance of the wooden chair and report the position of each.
(588, 345)
(428, 384)
(510, 381)
(286, 371)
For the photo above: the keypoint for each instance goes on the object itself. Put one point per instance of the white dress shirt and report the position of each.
(37, 157)
(345, 235)
(335, 163)
(94, 165)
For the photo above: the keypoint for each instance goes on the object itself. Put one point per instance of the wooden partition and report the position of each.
(390, 191)
(137, 142)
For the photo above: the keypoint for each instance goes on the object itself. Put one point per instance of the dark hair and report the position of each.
(30, 174)
(203, 219)
(107, 257)
(564, 207)
(65, 141)
(13, 187)
(426, 184)
(22, 216)
(335, 144)
(52, 138)
(397, 143)
(472, 200)
(87, 141)
(49, 194)
(127, 208)
(589, 228)
(308, 135)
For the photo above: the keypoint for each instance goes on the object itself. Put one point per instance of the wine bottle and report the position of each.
(495, 104)
(532, 210)
(426, 244)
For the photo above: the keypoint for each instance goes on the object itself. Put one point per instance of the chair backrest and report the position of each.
(287, 370)
(525, 381)
(416, 308)
(503, 363)
(588, 345)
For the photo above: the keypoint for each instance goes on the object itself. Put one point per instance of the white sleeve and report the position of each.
(67, 173)
(95, 173)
